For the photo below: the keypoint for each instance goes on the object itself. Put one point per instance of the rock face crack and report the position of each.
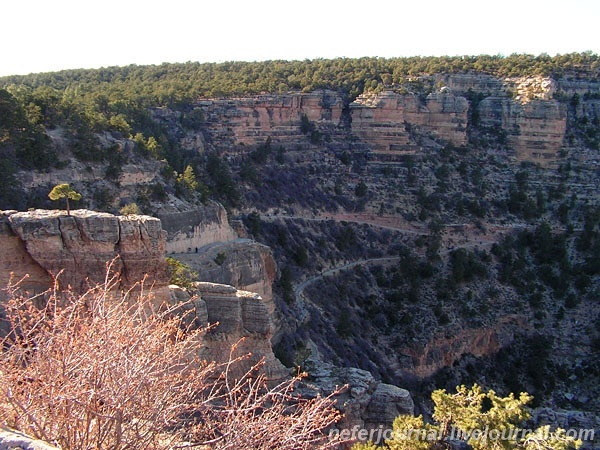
(143, 231)
(67, 240)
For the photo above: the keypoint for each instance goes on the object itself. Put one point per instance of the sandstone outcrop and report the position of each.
(390, 123)
(384, 120)
(243, 320)
(45, 243)
(189, 229)
(536, 129)
(251, 120)
(243, 263)
(15, 260)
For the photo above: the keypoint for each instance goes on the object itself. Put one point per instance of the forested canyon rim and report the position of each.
(432, 228)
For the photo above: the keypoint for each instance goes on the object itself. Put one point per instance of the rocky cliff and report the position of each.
(384, 120)
(532, 111)
(445, 349)
(367, 402)
(191, 228)
(45, 243)
(243, 263)
(244, 319)
(536, 129)
(202, 238)
(251, 120)
(394, 122)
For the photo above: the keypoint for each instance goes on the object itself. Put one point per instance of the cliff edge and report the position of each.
(44, 244)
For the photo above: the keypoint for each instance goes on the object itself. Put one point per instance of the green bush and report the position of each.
(180, 273)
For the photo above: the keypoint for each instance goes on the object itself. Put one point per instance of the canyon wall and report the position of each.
(535, 129)
(251, 120)
(384, 120)
(45, 243)
(391, 123)
(191, 228)
(202, 238)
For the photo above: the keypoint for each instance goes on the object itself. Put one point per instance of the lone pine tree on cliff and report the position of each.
(64, 191)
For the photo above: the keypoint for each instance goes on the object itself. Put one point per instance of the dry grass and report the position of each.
(93, 371)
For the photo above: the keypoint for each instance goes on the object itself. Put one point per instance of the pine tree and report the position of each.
(64, 191)
(483, 420)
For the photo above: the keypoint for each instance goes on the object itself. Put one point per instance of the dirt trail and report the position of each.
(454, 236)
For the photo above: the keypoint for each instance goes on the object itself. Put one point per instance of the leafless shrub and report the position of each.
(101, 371)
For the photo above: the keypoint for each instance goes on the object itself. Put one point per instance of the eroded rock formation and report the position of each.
(243, 263)
(244, 321)
(390, 122)
(536, 129)
(366, 402)
(384, 120)
(251, 120)
(203, 239)
(189, 229)
(45, 243)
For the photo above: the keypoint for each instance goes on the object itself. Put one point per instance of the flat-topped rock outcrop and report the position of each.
(46, 243)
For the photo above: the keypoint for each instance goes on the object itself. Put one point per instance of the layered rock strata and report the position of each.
(243, 263)
(45, 244)
(384, 120)
(190, 229)
(244, 324)
(391, 123)
(535, 129)
(251, 120)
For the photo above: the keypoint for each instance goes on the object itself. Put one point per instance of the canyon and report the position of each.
(394, 122)
(41, 246)
(364, 201)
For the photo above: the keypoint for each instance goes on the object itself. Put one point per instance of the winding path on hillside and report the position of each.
(355, 218)
(299, 289)
(390, 223)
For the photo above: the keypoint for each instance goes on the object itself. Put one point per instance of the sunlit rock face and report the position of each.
(385, 120)
(191, 228)
(535, 129)
(251, 120)
(78, 246)
(244, 328)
